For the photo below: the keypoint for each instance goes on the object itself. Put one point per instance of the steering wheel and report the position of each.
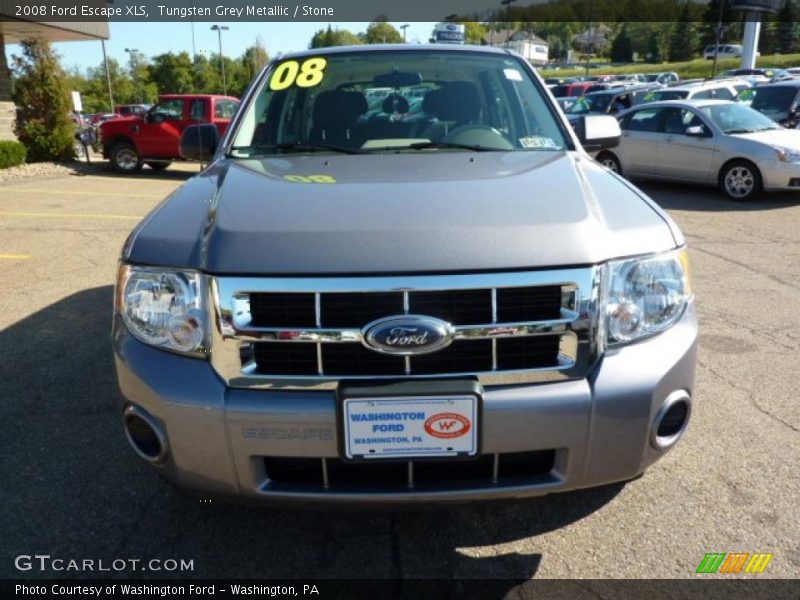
(478, 135)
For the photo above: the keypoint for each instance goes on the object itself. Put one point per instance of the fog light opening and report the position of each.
(144, 435)
(671, 420)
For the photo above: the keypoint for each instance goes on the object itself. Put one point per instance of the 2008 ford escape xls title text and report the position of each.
(401, 279)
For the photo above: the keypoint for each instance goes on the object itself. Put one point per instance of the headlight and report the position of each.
(163, 307)
(787, 154)
(646, 295)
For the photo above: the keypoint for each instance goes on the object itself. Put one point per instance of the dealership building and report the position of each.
(13, 30)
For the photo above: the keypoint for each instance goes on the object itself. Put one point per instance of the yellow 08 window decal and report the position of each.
(307, 74)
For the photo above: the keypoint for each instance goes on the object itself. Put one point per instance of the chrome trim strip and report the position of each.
(579, 328)
(494, 320)
(318, 323)
(485, 330)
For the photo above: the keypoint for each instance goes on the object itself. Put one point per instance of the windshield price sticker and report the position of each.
(307, 74)
(410, 427)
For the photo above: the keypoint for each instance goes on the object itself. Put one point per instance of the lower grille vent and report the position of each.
(515, 468)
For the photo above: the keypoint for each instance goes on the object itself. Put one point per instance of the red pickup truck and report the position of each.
(153, 138)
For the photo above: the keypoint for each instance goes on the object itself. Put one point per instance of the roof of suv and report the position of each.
(689, 87)
(781, 83)
(399, 48)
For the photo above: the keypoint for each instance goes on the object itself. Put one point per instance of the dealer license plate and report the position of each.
(410, 427)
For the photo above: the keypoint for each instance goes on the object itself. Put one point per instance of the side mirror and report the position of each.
(696, 131)
(199, 142)
(598, 132)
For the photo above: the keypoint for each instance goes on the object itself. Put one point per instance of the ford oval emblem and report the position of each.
(407, 335)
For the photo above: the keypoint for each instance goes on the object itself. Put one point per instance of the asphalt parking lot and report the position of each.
(73, 489)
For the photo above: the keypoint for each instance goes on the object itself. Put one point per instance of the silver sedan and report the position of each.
(710, 142)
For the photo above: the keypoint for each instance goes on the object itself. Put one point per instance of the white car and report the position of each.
(706, 90)
(710, 142)
(723, 51)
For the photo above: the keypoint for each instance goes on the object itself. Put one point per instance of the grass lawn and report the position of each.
(699, 68)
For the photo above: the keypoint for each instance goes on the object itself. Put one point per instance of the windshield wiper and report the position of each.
(295, 147)
(475, 147)
(730, 131)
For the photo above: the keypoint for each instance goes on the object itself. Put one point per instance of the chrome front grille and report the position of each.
(307, 332)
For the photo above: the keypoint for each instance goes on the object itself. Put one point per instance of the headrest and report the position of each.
(458, 101)
(338, 108)
(395, 103)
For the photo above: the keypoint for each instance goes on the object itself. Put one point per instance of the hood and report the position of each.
(788, 138)
(426, 212)
(118, 120)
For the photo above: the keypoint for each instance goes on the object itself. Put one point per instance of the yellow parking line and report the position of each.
(79, 193)
(14, 256)
(68, 215)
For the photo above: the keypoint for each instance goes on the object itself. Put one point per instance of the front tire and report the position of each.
(124, 158)
(610, 162)
(740, 180)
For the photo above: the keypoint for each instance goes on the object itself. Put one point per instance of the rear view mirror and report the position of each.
(397, 79)
(199, 142)
(598, 132)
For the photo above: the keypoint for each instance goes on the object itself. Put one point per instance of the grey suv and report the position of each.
(430, 301)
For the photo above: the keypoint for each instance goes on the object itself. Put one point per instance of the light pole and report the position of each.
(219, 29)
(718, 37)
(590, 34)
(108, 75)
(134, 62)
(404, 27)
(507, 4)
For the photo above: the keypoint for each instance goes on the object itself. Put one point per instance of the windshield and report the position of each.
(737, 118)
(778, 99)
(591, 103)
(397, 101)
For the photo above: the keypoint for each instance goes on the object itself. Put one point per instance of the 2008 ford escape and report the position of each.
(401, 279)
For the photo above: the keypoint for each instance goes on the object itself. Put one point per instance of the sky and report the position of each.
(156, 38)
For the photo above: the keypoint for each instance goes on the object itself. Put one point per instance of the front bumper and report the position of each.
(218, 438)
(780, 176)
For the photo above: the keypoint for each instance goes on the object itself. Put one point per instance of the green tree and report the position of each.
(172, 73)
(380, 31)
(653, 51)
(684, 39)
(732, 29)
(94, 87)
(325, 38)
(787, 33)
(41, 93)
(207, 78)
(139, 71)
(253, 59)
(622, 47)
(474, 32)
(556, 47)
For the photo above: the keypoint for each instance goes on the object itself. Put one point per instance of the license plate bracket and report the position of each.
(412, 420)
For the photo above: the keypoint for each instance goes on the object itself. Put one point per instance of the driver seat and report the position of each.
(457, 103)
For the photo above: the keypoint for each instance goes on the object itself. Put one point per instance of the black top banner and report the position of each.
(330, 11)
